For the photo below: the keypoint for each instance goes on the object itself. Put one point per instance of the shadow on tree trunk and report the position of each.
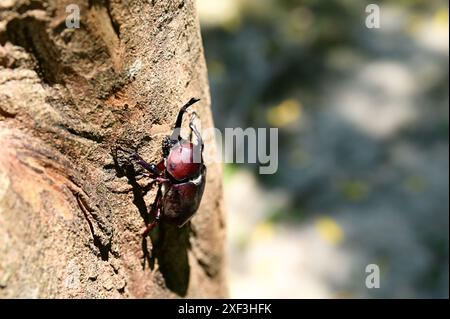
(170, 243)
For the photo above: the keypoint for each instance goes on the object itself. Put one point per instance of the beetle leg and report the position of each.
(156, 206)
(148, 166)
(153, 224)
(156, 179)
(152, 168)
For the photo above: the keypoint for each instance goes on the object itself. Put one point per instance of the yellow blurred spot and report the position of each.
(414, 25)
(263, 231)
(285, 113)
(298, 24)
(356, 190)
(330, 230)
(415, 184)
(219, 12)
(441, 17)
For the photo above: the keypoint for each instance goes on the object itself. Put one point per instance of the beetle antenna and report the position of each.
(176, 132)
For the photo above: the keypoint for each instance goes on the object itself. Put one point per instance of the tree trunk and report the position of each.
(71, 208)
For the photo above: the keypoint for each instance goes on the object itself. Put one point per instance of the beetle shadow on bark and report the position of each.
(172, 255)
(169, 243)
(124, 168)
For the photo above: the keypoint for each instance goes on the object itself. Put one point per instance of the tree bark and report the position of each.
(71, 208)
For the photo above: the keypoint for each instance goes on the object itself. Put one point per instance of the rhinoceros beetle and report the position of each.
(180, 175)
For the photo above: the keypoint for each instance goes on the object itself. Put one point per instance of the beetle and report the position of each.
(180, 175)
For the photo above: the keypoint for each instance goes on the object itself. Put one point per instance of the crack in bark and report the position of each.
(7, 114)
(97, 138)
(114, 22)
(108, 29)
(29, 32)
(31, 5)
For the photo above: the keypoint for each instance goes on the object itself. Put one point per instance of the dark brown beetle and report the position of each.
(180, 175)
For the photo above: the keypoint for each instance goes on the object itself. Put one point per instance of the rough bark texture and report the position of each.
(68, 97)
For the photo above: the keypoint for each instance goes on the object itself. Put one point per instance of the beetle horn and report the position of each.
(176, 129)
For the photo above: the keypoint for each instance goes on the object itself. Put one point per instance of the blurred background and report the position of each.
(363, 122)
